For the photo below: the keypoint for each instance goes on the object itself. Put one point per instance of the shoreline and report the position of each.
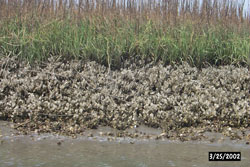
(141, 134)
(50, 149)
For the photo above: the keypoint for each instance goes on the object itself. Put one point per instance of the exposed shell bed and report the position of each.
(66, 97)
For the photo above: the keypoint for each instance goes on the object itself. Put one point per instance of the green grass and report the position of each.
(112, 38)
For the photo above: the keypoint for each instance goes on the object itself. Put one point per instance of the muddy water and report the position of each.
(58, 151)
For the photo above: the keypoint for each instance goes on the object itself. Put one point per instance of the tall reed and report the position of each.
(111, 31)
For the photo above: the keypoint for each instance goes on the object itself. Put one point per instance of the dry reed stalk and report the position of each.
(169, 12)
(142, 19)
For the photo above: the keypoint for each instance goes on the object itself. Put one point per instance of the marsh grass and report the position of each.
(113, 31)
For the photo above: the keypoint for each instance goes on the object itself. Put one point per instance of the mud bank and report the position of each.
(68, 97)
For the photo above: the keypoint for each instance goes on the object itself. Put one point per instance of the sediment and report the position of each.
(67, 97)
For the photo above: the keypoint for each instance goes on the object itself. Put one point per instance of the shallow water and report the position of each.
(58, 151)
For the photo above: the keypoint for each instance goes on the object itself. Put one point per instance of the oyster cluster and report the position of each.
(67, 97)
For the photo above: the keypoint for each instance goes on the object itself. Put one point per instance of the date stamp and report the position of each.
(224, 156)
